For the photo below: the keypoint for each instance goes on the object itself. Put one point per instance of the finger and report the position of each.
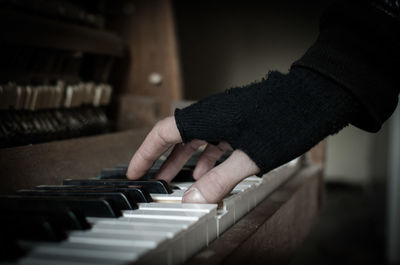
(161, 137)
(177, 158)
(208, 158)
(218, 182)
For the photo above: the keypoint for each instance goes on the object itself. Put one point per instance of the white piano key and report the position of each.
(157, 244)
(93, 237)
(83, 246)
(175, 196)
(132, 227)
(165, 214)
(209, 209)
(147, 221)
(47, 261)
(191, 207)
(45, 258)
(183, 185)
(226, 214)
(108, 254)
(193, 232)
(176, 245)
(196, 236)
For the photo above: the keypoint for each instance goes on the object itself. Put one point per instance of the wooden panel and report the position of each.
(271, 232)
(42, 32)
(149, 36)
(136, 112)
(50, 163)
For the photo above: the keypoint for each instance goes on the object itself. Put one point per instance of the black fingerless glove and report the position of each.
(274, 120)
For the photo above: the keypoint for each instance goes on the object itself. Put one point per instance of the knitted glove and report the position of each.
(273, 121)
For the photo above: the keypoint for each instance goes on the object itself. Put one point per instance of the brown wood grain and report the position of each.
(50, 163)
(273, 230)
(149, 35)
(33, 30)
(136, 112)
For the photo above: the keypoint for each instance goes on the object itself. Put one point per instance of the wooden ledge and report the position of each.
(49, 163)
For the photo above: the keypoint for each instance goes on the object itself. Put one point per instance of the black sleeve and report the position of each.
(348, 75)
(274, 120)
(358, 47)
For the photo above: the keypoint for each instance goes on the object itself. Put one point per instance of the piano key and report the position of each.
(128, 239)
(184, 175)
(152, 186)
(91, 247)
(181, 224)
(115, 253)
(47, 261)
(44, 259)
(65, 218)
(142, 221)
(209, 209)
(175, 233)
(175, 196)
(194, 240)
(118, 199)
(164, 214)
(190, 232)
(31, 228)
(184, 207)
(113, 173)
(88, 206)
(132, 192)
(182, 185)
(107, 254)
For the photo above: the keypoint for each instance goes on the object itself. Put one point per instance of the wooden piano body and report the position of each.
(271, 232)
(146, 82)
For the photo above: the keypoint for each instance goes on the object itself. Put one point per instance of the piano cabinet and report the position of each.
(271, 232)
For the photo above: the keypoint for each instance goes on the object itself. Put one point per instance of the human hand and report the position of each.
(212, 183)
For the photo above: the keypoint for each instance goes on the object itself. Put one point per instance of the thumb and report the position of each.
(219, 181)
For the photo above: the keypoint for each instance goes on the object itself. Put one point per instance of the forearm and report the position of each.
(274, 120)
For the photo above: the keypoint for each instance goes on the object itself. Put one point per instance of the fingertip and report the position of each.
(193, 195)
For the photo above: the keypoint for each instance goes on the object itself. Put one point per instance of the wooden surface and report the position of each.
(270, 233)
(50, 163)
(136, 112)
(149, 35)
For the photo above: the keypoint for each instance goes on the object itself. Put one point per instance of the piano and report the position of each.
(69, 128)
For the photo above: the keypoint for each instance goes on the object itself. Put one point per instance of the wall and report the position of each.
(231, 43)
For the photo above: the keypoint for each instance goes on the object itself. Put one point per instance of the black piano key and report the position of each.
(133, 193)
(118, 198)
(185, 175)
(95, 207)
(119, 173)
(65, 218)
(10, 250)
(152, 185)
(31, 227)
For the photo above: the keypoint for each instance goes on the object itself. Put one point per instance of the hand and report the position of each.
(212, 183)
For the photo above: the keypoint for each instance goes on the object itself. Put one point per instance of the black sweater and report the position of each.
(348, 76)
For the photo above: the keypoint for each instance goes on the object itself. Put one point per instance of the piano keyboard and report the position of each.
(140, 222)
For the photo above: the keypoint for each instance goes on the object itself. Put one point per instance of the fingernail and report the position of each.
(193, 195)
